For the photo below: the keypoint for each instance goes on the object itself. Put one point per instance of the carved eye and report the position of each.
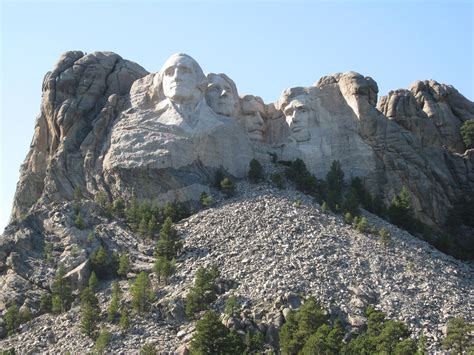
(214, 89)
(185, 70)
(169, 71)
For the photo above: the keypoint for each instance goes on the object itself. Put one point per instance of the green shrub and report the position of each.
(362, 225)
(79, 222)
(348, 218)
(324, 207)
(227, 187)
(148, 349)
(205, 199)
(278, 180)
(385, 237)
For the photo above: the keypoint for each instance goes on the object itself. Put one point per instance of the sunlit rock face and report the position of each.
(323, 128)
(172, 135)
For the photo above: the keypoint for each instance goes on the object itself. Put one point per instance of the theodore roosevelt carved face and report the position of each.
(251, 115)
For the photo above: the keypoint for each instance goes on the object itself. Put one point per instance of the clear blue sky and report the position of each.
(264, 46)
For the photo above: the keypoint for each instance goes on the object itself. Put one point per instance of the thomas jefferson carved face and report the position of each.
(182, 79)
(297, 114)
(221, 95)
(252, 109)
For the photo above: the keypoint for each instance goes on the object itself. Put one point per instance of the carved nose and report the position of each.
(223, 93)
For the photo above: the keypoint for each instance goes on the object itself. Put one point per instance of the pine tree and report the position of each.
(93, 282)
(467, 133)
(141, 293)
(232, 307)
(45, 303)
(77, 195)
(124, 322)
(12, 318)
(113, 309)
(255, 171)
(203, 292)
(212, 337)
(459, 336)
(119, 207)
(79, 222)
(102, 199)
(124, 265)
(164, 268)
(400, 211)
(61, 290)
(90, 312)
(102, 341)
(151, 227)
(168, 245)
(143, 227)
(335, 184)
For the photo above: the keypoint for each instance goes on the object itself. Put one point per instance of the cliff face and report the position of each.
(106, 124)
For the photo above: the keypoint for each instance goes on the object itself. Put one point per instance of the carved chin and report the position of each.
(256, 136)
(302, 136)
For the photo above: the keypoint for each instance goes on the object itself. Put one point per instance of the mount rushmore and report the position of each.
(107, 124)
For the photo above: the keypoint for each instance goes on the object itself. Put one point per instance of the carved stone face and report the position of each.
(221, 95)
(297, 115)
(252, 117)
(182, 78)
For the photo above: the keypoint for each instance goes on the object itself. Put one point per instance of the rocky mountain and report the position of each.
(109, 131)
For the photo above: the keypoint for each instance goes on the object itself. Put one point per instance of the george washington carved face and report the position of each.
(182, 79)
